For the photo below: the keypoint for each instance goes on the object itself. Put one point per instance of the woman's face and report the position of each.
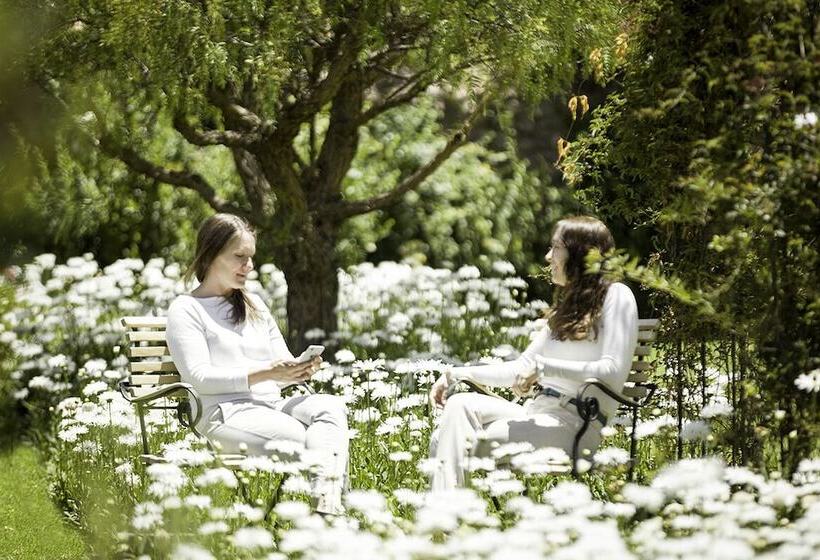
(556, 258)
(230, 269)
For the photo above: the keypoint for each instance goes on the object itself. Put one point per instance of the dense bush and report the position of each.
(711, 152)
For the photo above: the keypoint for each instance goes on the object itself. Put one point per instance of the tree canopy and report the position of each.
(257, 78)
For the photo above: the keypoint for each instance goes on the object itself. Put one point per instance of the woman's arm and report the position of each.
(503, 374)
(492, 375)
(189, 348)
(619, 337)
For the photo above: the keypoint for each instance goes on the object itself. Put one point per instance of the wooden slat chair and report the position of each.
(154, 382)
(636, 393)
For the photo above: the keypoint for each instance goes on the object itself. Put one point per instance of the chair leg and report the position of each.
(576, 444)
(274, 499)
(496, 503)
(141, 415)
(633, 445)
(243, 489)
(587, 409)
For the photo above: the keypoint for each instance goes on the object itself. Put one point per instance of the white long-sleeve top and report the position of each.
(565, 364)
(216, 356)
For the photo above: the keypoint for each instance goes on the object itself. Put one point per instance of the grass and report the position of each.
(30, 524)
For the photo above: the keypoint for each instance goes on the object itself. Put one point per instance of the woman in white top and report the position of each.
(590, 333)
(226, 344)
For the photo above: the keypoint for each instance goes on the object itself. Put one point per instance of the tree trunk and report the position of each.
(702, 374)
(732, 368)
(679, 380)
(309, 266)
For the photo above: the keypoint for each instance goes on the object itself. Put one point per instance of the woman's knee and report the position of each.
(233, 439)
(290, 430)
(432, 449)
(331, 408)
(459, 403)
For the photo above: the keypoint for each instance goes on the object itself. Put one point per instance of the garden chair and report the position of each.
(637, 393)
(154, 383)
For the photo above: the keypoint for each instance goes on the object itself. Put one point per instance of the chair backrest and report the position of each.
(149, 359)
(151, 365)
(636, 384)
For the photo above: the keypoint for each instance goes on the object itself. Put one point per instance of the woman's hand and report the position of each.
(294, 372)
(438, 393)
(522, 386)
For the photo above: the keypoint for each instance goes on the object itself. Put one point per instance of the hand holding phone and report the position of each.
(310, 352)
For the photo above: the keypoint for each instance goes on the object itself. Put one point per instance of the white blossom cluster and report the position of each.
(401, 326)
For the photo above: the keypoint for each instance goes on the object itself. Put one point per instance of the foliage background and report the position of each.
(704, 149)
(698, 151)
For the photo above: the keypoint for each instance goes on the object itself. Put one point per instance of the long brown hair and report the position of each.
(577, 312)
(213, 235)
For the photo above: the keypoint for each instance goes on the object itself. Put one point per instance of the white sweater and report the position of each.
(565, 364)
(215, 355)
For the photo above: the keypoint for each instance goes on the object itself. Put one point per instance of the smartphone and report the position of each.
(310, 352)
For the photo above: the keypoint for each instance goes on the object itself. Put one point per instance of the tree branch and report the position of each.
(301, 164)
(395, 99)
(323, 91)
(339, 147)
(411, 87)
(257, 188)
(341, 210)
(198, 137)
(185, 179)
(390, 73)
(229, 106)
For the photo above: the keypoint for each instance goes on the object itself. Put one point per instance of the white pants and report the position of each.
(316, 422)
(542, 422)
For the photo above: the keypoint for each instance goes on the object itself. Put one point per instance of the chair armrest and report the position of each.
(475, 387)
(597, 383)
(163, 391)
(652, 388)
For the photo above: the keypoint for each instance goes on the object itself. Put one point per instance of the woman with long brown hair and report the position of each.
(590, 333)
(226, 344)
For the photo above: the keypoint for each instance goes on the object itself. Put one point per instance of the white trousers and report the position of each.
(316, 422)
(541, 421)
